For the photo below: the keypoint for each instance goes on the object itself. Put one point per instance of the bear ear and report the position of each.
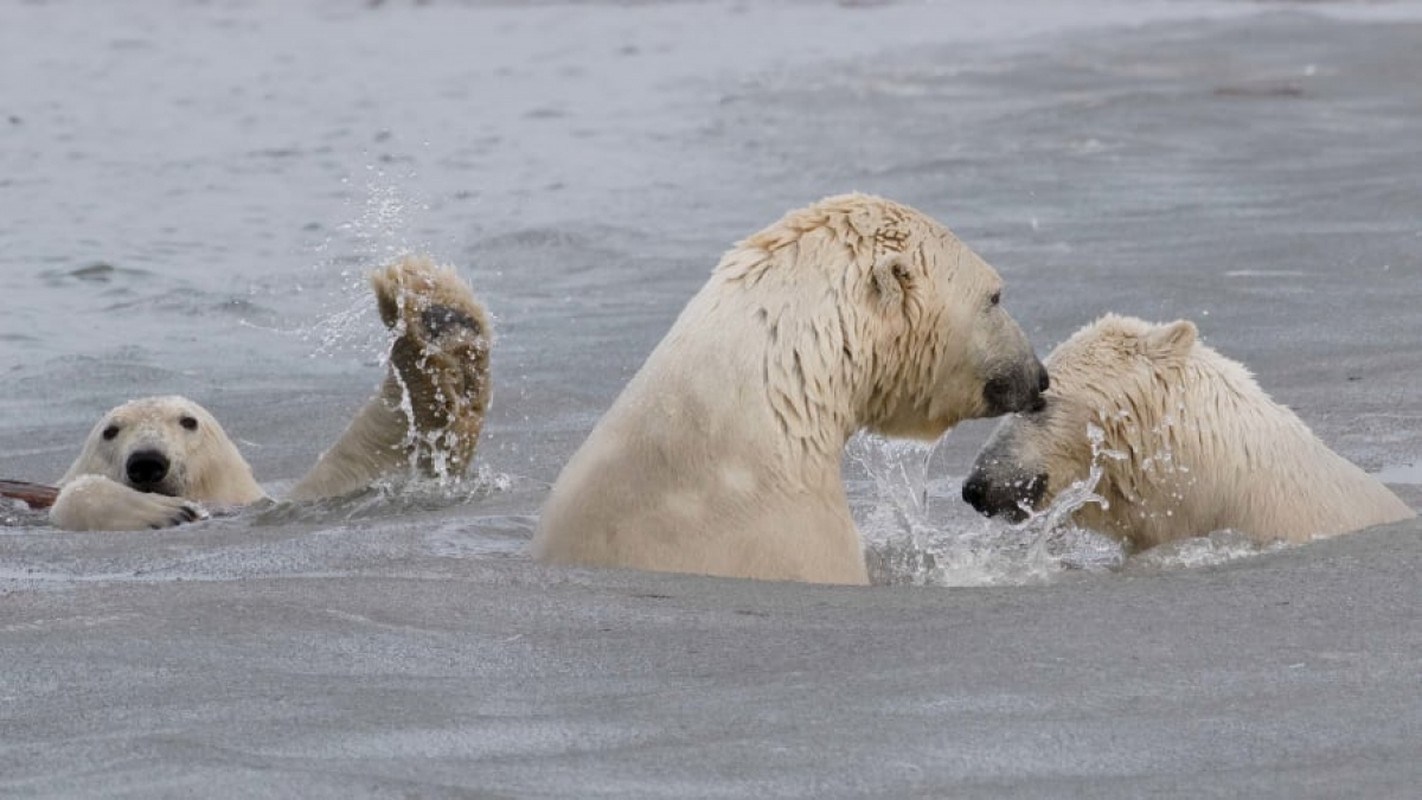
(890, 280)
(1174, 339)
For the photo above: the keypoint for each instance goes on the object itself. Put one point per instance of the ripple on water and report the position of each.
(99, 272)
(1402, 473)
(392, 498)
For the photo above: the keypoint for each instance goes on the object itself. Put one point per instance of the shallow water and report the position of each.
(192, 193)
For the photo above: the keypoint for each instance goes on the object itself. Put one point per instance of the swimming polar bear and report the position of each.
(722, 455)
(156, 462)
(1187, 442)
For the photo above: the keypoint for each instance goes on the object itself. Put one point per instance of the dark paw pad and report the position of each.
(439, 320)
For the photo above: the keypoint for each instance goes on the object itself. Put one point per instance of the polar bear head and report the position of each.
(171, 446)
(1124, 379)
(863, 296)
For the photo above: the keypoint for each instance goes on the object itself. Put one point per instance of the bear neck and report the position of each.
(1188, 454)
(1160, 451)
(776, 360)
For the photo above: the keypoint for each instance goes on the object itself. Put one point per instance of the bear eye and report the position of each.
(996, 297)
(188, 422)
(110, 432)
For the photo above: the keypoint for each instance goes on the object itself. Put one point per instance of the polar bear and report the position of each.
(158, 461)
(722, 455)
(1188, 443)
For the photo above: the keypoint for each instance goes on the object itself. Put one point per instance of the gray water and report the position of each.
(191, 192)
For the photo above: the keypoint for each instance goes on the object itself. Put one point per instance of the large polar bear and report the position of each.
(1188, 444)
(155, 462)
(722, 455)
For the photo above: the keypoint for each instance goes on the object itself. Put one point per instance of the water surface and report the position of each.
(193, 191)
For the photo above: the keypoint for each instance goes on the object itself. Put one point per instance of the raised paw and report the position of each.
(439, 360)
(430, 409)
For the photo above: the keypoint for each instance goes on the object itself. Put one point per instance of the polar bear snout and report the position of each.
(147, 469)
(1011, 497)
(1017, 391)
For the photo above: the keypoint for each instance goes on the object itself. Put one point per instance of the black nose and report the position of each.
(146, 467)
(975, 493)
(1004, 496)
(1016, 390)
(1044, 382)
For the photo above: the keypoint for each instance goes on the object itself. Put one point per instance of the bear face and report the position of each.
(1184, 442)
(1120, 376)
(957, 343)
(169, 446)
(874, 297)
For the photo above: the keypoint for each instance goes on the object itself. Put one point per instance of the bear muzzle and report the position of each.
(1017, 391)
(146, 471)
(1011, 497)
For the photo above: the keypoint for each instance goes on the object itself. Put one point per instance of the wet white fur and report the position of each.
(722, 455)
(1198, 446)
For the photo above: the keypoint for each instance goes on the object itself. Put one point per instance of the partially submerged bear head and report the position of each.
(167, 445)
(888, 298)
(1119, 376)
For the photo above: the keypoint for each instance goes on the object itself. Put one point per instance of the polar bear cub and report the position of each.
(722, 456)
(157, 461)
(1188, 443)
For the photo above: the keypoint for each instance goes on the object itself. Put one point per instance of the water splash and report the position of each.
(918, 532)
(382, 215)
(388, 212)
(375, 235)
(894, 518)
